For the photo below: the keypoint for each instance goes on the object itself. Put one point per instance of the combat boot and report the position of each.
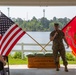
(66, 69)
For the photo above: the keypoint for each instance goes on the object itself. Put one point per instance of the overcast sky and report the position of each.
(27, 12)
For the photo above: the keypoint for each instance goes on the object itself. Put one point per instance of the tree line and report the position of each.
(42, 24)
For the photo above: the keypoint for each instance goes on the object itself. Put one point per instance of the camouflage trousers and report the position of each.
(62, 54)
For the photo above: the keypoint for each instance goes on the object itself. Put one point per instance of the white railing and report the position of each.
(31, 44)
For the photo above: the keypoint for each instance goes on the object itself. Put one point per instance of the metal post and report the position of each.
(44, 13)
(8, 11)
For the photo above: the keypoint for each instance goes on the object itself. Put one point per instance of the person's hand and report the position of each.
(4, 63)
(52, 38)
(55, 34)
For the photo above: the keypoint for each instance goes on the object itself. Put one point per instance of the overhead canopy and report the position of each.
(38, 2)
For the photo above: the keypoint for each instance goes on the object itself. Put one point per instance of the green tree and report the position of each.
(51, 26)
(45, 23)
(19, 21)
(42, 24)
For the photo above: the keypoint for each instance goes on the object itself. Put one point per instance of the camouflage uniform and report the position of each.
(58, 46)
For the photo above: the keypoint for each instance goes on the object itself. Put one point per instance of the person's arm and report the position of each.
(2, 60)
(52, 37)
(66, 42)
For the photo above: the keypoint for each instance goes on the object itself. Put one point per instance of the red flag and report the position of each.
(10, 33)
(70, 34)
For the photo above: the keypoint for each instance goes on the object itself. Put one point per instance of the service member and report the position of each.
(57, 36)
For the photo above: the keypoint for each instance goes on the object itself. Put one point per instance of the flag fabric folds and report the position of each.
(10, 33)
(70, 34)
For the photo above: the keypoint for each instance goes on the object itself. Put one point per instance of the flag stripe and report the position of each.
(7, 39)
(11, 33)
(0, 37)
(11, 44)
(14, 43)
(10, 37)
(8, 33)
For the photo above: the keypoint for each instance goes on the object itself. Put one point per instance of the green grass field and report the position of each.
(13, 61)
(69, 62)
(17, 61)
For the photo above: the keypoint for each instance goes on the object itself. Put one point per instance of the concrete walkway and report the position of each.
(24, 70)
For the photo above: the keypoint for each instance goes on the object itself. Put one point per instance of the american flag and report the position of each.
(10, 33)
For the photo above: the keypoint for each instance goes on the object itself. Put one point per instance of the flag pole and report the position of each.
(36, 42)
(45, 45)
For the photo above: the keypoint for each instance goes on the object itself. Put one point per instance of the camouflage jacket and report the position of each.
(58, 40)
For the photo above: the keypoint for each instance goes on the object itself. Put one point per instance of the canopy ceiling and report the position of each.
(38, 2)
